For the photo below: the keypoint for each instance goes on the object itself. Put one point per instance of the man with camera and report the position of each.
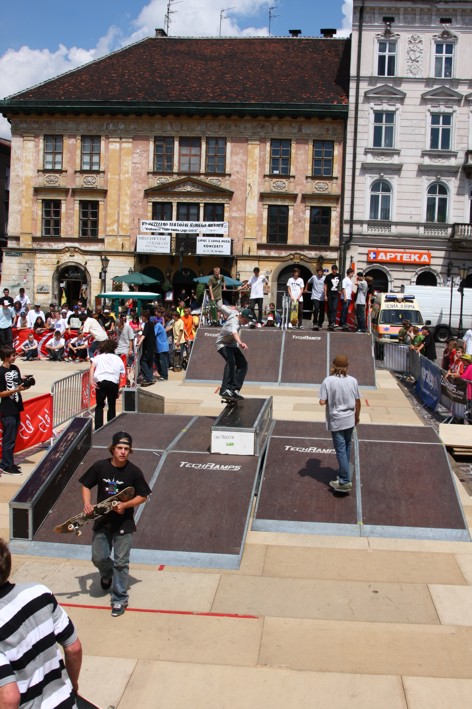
(11, 405)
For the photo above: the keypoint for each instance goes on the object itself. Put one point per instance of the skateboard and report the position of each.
(213, 313)
(101, 508)
(294, 313)
(230, 402)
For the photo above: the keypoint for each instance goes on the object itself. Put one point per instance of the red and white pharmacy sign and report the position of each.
(415, 258)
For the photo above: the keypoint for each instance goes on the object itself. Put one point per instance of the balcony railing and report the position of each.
(462, 232)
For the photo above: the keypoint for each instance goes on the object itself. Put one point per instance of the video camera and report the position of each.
(28, 382)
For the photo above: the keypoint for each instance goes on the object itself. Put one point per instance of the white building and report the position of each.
(408, 188)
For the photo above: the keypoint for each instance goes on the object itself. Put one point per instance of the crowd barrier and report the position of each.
(432, 386)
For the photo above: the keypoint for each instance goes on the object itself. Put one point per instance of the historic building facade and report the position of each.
(246, 132)
(408, 186)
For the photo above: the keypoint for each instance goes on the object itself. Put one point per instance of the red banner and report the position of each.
(20, 335)
(36, 423)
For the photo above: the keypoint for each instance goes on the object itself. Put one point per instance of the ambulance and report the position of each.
(388, 312)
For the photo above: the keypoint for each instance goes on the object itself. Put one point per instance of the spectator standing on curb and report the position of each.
(147, 343)
(11, 405)
(257, 283)
(346, 297)
(6, 324)
(23, 299)
(317, 283)
(32, 623)
(361, 301)
(34, 314)
(340, 394)
(7, 296)
(162, 352)
(332, 295)
(295, 288)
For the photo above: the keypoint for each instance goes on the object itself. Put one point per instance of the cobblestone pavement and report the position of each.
(462, 466)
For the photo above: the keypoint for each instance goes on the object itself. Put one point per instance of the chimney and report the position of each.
(328, 33)
(160, 33)
(295, 33)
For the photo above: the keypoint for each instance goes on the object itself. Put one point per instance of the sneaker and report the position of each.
(300, 327)
(227, 394)
(147, 384)
(12, 470)
(340, 487)
(117, 609)
(315, 327)
(105, 582)
(237, 395)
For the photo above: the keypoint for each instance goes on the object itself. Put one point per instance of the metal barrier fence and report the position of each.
(70, 397)
(429, 377)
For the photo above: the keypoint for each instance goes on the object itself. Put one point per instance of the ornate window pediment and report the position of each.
(385, 92)
(442, 94)
(186, 185)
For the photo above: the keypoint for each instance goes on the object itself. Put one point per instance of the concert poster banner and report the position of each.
(35, 423)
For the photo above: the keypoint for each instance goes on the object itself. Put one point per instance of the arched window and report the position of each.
(436, 203)
(380, 200)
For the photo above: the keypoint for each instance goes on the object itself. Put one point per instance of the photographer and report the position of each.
(11, 404)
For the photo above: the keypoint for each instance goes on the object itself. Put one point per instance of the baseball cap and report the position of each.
(248, 314)
(341, 361)
(467, 358)
(107, 310)
(122, 437)
(6, 302)
(37, 305)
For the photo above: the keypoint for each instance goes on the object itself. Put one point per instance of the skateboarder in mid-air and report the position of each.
(230, 346)
(115, 529)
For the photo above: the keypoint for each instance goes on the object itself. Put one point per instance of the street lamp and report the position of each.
(463, 271)
(105, 263)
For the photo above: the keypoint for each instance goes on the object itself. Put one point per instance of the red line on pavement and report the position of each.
(165, 612)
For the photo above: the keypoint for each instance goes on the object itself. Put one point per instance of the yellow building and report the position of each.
(246, 132)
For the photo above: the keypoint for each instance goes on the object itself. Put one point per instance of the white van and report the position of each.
(441, 306)
(388, 312)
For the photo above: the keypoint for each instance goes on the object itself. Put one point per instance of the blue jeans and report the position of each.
(116, 568)
(10, 425)
(342, 446)
(343, 318)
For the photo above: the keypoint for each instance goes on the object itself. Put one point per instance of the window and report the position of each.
(384, 129)
(163, 154)
(162, 211)
(323, 151)
(441, 131)
(436, 203)
(386, 58)
(380, 200)
(280, 157)
(52, 217)
(277, 224)
(88, 219)
(188, 212)
(90, 158)
(52, 152)
(213, 212)
(443, 56)
(216, 155)
(320, 226)
(190, 154)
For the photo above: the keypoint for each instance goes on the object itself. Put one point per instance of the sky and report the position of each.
(40, 40)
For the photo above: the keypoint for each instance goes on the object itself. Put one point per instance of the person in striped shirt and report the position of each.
(33, 674)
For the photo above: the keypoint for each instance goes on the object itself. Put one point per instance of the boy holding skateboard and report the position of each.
(115, 529)
(229, 346)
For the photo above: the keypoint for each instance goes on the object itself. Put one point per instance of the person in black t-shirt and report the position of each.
(11, 405)
(332, 295)
(114, 531)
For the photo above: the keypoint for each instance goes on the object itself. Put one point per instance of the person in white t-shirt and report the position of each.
(33, 314)
(346, 297)
(106, 370)
(317, 283)
(23, 299)
(295, 288)
(55, 347)
(256, 297)
(92, 327)
(468, 341)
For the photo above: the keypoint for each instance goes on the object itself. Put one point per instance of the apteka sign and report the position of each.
(418, 258)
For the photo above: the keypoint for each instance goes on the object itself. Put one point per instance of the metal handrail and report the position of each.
(71, 397)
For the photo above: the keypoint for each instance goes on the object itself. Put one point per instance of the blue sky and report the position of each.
(40, 40)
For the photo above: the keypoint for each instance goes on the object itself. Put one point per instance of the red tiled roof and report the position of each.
(200, 71)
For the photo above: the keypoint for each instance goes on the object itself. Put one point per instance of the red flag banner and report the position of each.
(36, 423)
